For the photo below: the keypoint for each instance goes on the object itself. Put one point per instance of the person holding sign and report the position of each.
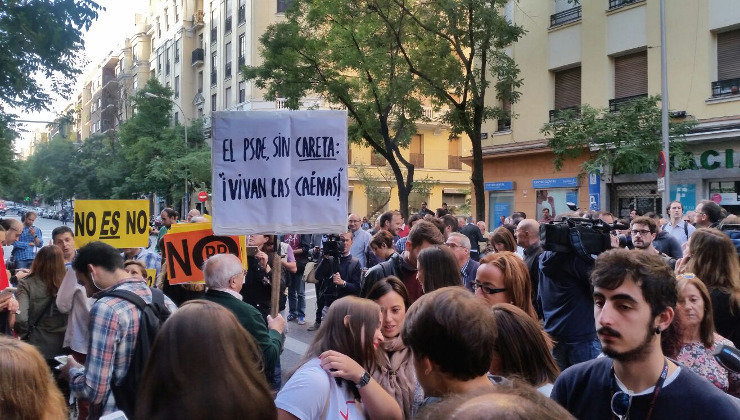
(168, 216)
(224, 274)
(149, 259)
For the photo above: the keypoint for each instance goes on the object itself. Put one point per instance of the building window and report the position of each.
(728, 64)
(177, 51)
(504, 124)
(227, 19)
(227, 65)
(200, 81)
(242, 11)
(283, 5)
(214, 63)
(242, 92)
(453, 154)
(159, 29)
(242, 49)
(167, 61)
(177, 86)
(227, 97)
(166, 21)
(214, 28)
(177, 118)
(136, 84)
(214, 102)
(630, 78)
(159, 63)
(567, 90)
(416, 151)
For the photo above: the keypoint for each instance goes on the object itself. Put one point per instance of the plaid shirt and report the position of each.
(114, 325)
(150, 259)
(22, 250)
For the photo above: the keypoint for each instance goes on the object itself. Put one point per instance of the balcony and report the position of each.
(227, 70)
(242, 14)
(417, 159)
(616, 4)
(214, 78)
(725, 88)
(376, 159)
(227, 24)
(453, 162)
(554, 113)
(615, 104)
(214, 35)
(566, 16)
(197, 57)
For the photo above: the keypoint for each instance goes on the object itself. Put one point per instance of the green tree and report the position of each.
(456, 48)
(52, 166)
(344, 52)
(626, 142)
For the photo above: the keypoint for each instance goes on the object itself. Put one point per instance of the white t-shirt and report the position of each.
(304, 396)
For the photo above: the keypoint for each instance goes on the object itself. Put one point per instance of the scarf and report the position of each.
(395, 373)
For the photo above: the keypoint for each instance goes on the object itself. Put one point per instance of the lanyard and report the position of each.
(656, 389)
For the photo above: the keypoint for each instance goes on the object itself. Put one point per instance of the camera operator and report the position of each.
(339, 273)
(567, 305)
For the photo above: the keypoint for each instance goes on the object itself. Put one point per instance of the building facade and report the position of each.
(605, 53)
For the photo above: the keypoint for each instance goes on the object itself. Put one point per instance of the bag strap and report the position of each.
(32, 326)
(128, 296)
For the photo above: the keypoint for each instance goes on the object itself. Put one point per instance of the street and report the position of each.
(297, 337)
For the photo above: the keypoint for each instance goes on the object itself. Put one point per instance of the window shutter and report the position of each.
(568, 88)
(728, 55)
(630, 75)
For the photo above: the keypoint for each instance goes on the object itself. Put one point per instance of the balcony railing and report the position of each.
(242, 14)
(615, 104)
(227, 70)
(197, 57)
(453, 162)
(214, 35)
(227, 24)
(565, 16)
(280, 103)
(725, 87)
(554, 113)
(615, 4)
(376, 159)
(214, 78)
(417, 159)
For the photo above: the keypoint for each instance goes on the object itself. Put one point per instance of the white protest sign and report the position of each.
(279, 172)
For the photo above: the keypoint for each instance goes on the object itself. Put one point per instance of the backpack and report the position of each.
(152, 317)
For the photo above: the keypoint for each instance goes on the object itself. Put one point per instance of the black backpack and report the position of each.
(152, 317)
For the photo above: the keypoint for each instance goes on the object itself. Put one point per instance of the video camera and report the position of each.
(333, 246)
(578, 235)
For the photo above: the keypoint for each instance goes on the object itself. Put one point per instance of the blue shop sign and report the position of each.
(499, 186)
(555, 183)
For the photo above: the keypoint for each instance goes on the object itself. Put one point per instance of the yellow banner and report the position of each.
(151, 277)
(119, 223)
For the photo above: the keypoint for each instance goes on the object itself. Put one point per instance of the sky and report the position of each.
(106, 34)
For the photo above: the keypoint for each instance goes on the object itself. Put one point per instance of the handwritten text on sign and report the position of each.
(120, 223)
(279, 171)
(185, 253)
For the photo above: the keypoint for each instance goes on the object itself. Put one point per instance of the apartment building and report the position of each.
(605, 53)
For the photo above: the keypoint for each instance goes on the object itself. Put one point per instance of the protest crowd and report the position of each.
(433, 317)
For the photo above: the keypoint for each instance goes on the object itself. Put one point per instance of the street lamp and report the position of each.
(152, 95)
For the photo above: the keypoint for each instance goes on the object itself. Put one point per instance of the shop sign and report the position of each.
(499, 186)
(555, 183)
(714, 159)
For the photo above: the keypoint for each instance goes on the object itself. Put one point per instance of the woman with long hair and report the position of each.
(27, 390)
(503, 277)
(437, 268)
(694, 309)
(333, 378)
(395, 371)
(185, 379)
(39, 321)
(713, 259)
(382, 245)
(503, 240)
(523, 349)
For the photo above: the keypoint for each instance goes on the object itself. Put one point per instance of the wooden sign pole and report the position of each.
(276, 277)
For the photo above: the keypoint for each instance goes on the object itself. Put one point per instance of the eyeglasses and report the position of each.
(640, 232)
(487, 289)
(621, 402)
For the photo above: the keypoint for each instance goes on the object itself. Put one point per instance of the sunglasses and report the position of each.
(621, 402)
(487, 289)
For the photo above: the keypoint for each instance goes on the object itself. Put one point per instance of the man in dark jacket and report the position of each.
(337, 279)
(473, 233)
(224, 276)
(527, 236)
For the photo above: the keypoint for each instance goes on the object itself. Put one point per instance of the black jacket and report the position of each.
(350, 271)
(257, 290)
(389, 267)
(473, 233)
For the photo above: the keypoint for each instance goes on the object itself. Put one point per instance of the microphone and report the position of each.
(728, 357)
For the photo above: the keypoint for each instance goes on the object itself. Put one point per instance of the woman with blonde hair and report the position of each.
(27, 390)
(698, 338)
(39, 321)
(713, 259)
(185, 379)
(333, 378)
(503, 277)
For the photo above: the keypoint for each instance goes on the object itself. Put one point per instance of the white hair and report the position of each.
(220, 268)
(464, 240)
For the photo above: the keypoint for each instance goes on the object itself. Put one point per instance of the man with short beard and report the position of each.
(635, 294)
(644, 230)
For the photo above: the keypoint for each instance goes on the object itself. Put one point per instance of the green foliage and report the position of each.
(378, 183)
(457, 51)
(345, 53)
(41, 38)
(627, 141)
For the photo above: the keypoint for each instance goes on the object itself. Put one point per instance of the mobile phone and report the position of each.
(252, 251)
